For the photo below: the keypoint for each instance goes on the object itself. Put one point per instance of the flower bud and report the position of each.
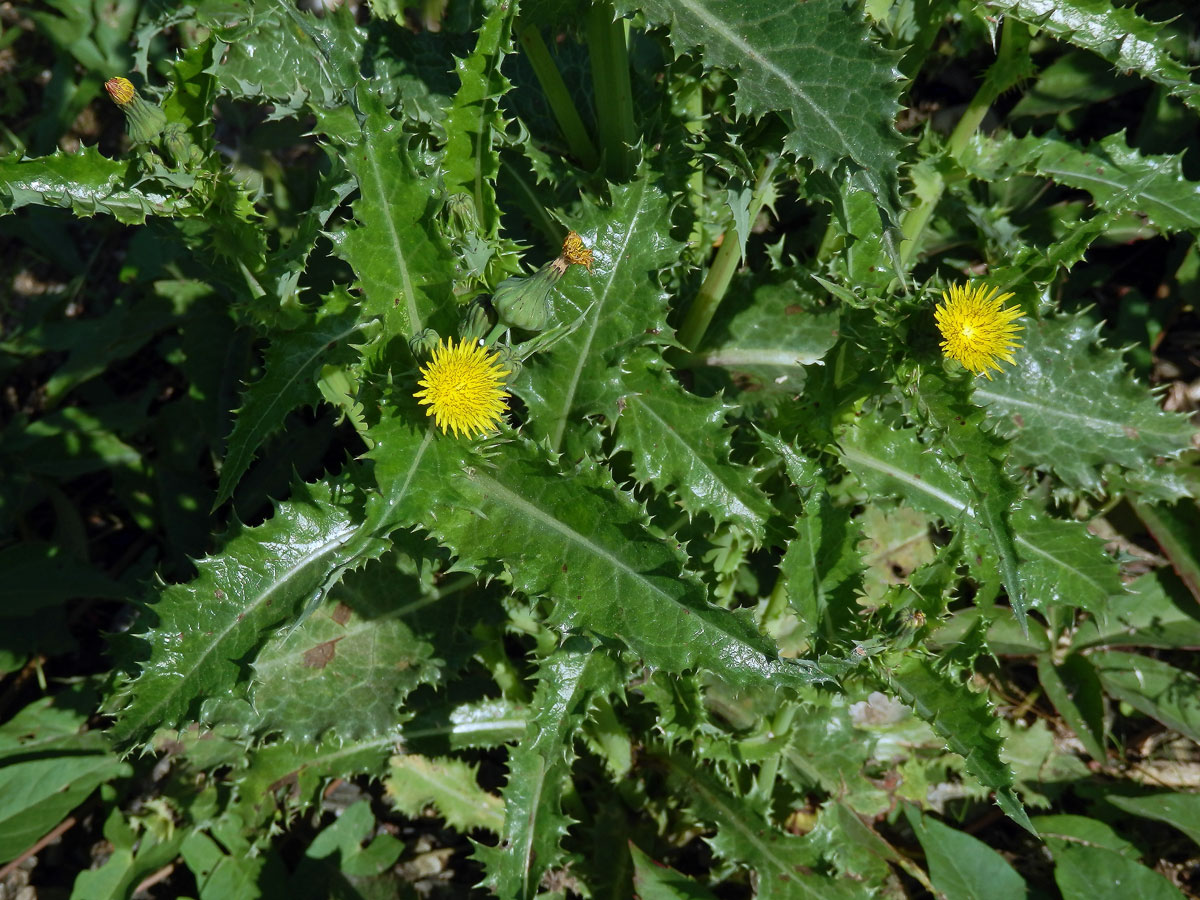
(143, 120)
(525, 302)
(475, 322)
(178, 143)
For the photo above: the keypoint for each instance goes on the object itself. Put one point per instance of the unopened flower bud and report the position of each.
(525, 302)
(144, 121)
(178, 143)
(475, 322)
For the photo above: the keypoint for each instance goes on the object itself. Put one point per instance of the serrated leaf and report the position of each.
(813, 62)
(88, 184)
(781, 862)
(965, 721)
(625, 308)
(413, 782)
(1116, 33)
(349, 666)
(1070, 406)
(471, 161)
(654, 881)
(1059, 562)
(487, 723)
(539, 767)
(579, 540)
(404, 268)
(200, 630)
(1119, 178)
(291, 364)
(679, 444)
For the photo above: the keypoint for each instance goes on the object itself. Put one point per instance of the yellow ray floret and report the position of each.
(464, 388)
(976, 328)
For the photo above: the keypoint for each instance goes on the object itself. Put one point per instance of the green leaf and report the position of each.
(539, 768)
(343, 841)
(1074, 689)
(1116, 33)
(1173, 528)
(135, 855)
(679, 444)
(1093, 873)
(88, 184)
(403, 266)
(963, 867)
(578, 539)
(782, 862)
(486, 723)
(292, 362)
(654, 881)
(813, 62)
(1153, 612)
(1119, 178)
(1070, 406)
(200, 630)
(1153, 687)
(414, 781)
(349, 666)
(1179, 810)
(1060, 563)
(624, 307)
(48, 765)
(37, 574)
(1084, 830)
(471, 161)
(966, 722)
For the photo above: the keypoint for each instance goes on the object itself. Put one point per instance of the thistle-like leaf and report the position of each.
(625, 307)
(1070, 406)
(89, 184)
(450, 785)
(292, 362)
(404, 268)
(965, 721)
(539, 767)
(679, 444)
(1116, 33)
(470, 161)
(813, 62)
(199, 632)
(578, 539)
(1059, 563)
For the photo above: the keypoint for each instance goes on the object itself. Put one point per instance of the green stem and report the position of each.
(693, 104)
(608, 50)
(559, 98)
(765, 781)
(1014, 39)
(724, 265)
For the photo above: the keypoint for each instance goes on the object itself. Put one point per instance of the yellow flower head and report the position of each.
(574, 253)
(120, 90)
(976, 328)
(464, 387)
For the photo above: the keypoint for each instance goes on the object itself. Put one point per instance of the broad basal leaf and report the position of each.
(965, 721)
(1153, 687)
(813, 62)
(1070, 406)
(200, 632)
(961, 866)
(680, 444)
(1116, 33)
(624, 305)
(292, 362)
(539, 768)
(403, 265)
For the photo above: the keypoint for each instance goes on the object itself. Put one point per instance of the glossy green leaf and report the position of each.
(1083, 830)
(1069, 406)
(1153, 687)
(403, 266)
(1116, 33)
(1119, 178)
(539, 768)
(1179, 810)
(292, 362)
(680, 444)
(195, 633)
(963, 867)
(654, 881)
(1154, 612)
(450, 785)
(814, 63)
(966, 722)
(622, 304)
(1093, 873)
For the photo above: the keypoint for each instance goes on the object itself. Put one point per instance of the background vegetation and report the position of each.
(753, 593)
